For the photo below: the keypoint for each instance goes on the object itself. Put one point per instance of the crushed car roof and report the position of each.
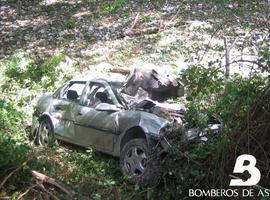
(114, 81)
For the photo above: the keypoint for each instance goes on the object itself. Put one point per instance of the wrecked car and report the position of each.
(92, 113)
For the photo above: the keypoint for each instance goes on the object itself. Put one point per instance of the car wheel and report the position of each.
(138, 164)
(44, 134)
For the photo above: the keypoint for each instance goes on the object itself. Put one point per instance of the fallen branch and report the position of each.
(43, 178)
(151, 30)
(41, 186)
(26, 192)
(120, 70)
(135, 22)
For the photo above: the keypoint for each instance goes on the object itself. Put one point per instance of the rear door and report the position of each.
(64, 110)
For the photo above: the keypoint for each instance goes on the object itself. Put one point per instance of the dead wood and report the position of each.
(43, 178)
(135, 23)
(120, 70)
(145, 31)
(26, 192)
(47, 193)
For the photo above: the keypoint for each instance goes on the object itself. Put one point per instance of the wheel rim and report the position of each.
(135, 161)
(45, 134)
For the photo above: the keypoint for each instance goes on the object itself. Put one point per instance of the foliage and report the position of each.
(241, 94)
(70, 23)
(14, 146)
(22, 79)
(203, 85)
(114, 6)
(239, 103)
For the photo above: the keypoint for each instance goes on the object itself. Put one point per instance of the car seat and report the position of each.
(102, 96)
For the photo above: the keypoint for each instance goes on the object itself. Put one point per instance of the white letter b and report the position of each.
(240, 168)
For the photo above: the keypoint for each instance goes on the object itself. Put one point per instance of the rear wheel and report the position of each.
(44, 134)
(138, 163)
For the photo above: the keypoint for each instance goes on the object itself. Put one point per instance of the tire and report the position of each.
(138, 164)
(44, 134)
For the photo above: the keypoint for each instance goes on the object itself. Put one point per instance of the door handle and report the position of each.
(79, 113)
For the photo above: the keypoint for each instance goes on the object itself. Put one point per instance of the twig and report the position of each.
(135, 22)
(227, 59)
(151, 30)
(41, 186)
(52, 181)
(10, 174)
(30, 188)
(209, 42)
(172, 19)
(247, 61)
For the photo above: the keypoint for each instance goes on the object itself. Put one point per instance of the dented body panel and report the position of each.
(98, 118)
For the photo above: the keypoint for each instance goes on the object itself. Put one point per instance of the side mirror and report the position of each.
(107, 107)
(72, 95)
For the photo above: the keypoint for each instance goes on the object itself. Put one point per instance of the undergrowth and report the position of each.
(240, 103)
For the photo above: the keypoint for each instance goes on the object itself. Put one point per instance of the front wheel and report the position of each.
(138, 163)
(44, 134)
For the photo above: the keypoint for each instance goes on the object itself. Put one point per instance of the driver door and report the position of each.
(95, 128)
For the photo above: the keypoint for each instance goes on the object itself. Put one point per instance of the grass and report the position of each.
(89, 173)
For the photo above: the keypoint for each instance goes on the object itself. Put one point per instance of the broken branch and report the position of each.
(120, 70)
(43, 178)
(151, 30)
(23, 194)
(41, 186)
(135, 22)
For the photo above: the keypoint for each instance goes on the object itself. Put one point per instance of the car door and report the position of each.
(93, 127)
(63, 110)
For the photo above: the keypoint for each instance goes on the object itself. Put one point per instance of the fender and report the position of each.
(151, 126)
(49, 117)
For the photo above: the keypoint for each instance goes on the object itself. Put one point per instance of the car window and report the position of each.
(76, 86)
(98, 94)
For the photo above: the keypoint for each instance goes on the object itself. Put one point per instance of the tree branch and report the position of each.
(52, 181)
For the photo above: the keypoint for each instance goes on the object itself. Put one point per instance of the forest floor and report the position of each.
(79, 36)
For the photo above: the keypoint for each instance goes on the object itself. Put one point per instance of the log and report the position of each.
(43, 178)
(120, 70)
